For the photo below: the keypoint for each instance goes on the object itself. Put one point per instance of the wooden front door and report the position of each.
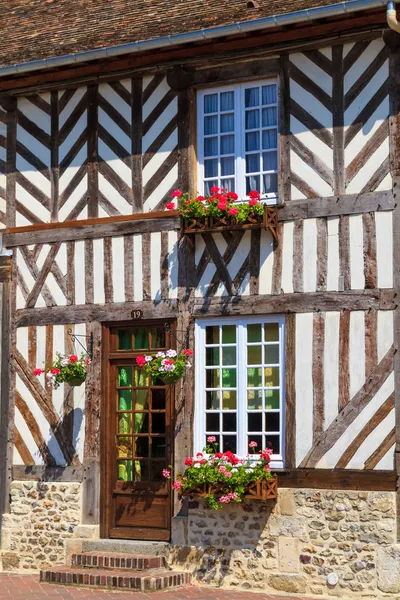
(137, 435)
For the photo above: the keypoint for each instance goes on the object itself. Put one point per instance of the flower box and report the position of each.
(268, 220)
(266, 489)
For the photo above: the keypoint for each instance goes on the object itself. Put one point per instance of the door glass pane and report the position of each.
(125, 423)
(141, 470)
(142, 399)
(158, 399)
(124, 376)
(212, 422)
(158, 422)
(125, 470)
(124, 447)
(228, 400)
(254, 377)
(140, 378)
(229, 443)
(157, 467)
(229, 421)
(141, 423)
(141, 336)
(124, 339)
(254, 399)
(124, 399)
(255, 422)
(158, 447)
(141, 446)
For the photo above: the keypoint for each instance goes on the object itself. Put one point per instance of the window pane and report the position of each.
(254, 332)
(229, 334)
(254, 399)
(124, 376)
(272, 441)
(157, 399)
(252, 119)
(269, 117)
(269, 139)
(140, 378)
(254, 355)
(229, 400)
(125, 470)
(141, 470)
(269, 94)
(215, 445)
(211, 168)
(253, 163)
(271, 376)
(258, 439)
(271, 399)
(228, 166)
(229, 378)
(125, 400)
(272, 354)
(226, 100)
(228, 185)
(212, 378)
(270, 183)
(124, 339)
(227, 123)
(210, 125)
(254, 422)
(252, 183)
(254, 377)
(270, 161)
(142, 399)
(141, 423)
(212, 400)
(229, 356)
(141, 335)
(211, 146)
(252, 97)
(271, 332)
(158, 447)
(212, 334)
(229, 422)
(229, 443)
(227, 144)
(211, 103)
(272, 422)
(252, 141)
(157, 337)
(212, 422)
(212, 356)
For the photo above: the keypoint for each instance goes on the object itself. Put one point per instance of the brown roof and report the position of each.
(35, 29)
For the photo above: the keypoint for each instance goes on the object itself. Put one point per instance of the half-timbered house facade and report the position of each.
(295, 330)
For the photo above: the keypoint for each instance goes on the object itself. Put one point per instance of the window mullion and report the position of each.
(241, 400)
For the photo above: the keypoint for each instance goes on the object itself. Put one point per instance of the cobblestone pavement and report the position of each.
(27, 587)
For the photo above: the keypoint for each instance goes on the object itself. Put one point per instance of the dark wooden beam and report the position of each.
(337, 479)
(6, 402)
(43, 473)
(333, 206)
(293, 303)
(61, 315)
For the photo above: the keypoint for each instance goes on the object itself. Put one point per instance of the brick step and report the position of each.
(141, 581)
(115, 560)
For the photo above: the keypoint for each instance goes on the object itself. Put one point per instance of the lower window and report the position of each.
(240, 385)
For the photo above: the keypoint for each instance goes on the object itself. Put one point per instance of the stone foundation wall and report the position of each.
(293, 544)
(43, 516)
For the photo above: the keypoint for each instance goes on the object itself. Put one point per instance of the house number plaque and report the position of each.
(137, 314)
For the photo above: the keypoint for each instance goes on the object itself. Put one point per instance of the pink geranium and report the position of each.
(233, 211)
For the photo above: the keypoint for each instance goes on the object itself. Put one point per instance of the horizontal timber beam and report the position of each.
(90, 229)
(295, 303)
(333, 206)
(43, 473)
(337, 479)
(61, 315)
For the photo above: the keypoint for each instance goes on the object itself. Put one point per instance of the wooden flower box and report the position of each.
(269, 220)
(266, 489)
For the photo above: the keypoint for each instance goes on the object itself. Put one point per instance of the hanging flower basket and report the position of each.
(223, 478)
(67, 368)
(221, 211)
(168, 366)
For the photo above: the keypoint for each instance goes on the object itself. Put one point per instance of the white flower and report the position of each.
(249, 470)
(148, 358)
(161, 369)
(160, 355)
(65, 362)
(197, 466)
(171, 353)
(169, 367)
(49, 375)
(234, 470)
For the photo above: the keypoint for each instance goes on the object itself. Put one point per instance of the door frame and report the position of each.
(105, 459)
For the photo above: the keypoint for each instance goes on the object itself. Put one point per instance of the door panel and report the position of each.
(138, 437)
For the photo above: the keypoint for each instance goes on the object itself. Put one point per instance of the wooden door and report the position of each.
(137, 434)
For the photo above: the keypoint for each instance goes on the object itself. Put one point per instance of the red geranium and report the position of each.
(189, 461)
(38, 372)
(188, 352)
(176, 194)
(215, 189)
(233, 211)
(140, 360)
(170, 205)
(218, 455)
(221, 205)
(232, 195)
(254, 194)
(55, 371)
(73, 358)
(232, 458)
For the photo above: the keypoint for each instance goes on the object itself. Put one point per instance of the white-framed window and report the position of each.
(239, 382)
(238, 138)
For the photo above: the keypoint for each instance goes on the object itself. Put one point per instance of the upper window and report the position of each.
(240, 385)
(238, 139)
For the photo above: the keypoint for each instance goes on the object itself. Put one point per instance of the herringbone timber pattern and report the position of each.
(33, 160)
(72, 144)
(159, 142)
(115, 148)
